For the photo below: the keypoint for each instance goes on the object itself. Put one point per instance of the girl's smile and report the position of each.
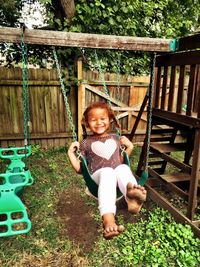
(98, 121)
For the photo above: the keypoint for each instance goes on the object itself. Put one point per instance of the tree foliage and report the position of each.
(147, 18)
(10, 12)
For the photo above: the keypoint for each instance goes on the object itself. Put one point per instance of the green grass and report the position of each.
(154, 240)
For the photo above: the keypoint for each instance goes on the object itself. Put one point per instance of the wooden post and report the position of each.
(195, 175)
(81, 96)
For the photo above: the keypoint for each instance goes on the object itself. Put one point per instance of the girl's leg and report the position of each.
(124, 176)
(134, 194)
(107, 181)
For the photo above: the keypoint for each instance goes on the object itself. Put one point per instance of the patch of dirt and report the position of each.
(75, 214)
(78, 223)
(133, 218)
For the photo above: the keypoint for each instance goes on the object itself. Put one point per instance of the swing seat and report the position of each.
(17, 178)
(13, 215)
(144, 176)
(16, 165)
(15, 154)
(126, 159)
(90, 183)
(16, 173)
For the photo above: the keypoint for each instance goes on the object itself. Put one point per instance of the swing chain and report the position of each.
(150, 110)
(25, 91)
(102, 79)
(106, 90)
(118, 76)
(64, 93)
(118, 130)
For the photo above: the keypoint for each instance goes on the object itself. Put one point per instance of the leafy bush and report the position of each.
(156, 241)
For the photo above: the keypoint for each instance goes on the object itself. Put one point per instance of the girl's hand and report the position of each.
(127, 143)
(74, 147)
(72, 156)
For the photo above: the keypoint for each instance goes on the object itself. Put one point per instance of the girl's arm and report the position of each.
(72, 156)
(127, 143)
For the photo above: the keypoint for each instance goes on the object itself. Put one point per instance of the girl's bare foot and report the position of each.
(135, 196)
(111, 229)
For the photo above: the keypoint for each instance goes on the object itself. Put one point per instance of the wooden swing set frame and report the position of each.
(85, 40)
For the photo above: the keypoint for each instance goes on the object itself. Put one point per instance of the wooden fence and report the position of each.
(49, 126)
(49, 123)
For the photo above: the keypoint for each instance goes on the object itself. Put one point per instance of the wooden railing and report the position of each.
(183, 98)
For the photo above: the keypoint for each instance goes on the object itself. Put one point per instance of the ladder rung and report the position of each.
(165, 148)
(156, 162)
(161, 139)
(158, 170)
(178, 164)
(163, 131)
(176, 177)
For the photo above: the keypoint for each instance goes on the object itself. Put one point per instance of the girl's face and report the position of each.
(98, 121)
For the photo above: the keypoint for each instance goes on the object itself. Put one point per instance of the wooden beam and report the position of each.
(115, 83)
(195, 177)
(178, 119)
(189, 42)
(175, 59)
(72, 39)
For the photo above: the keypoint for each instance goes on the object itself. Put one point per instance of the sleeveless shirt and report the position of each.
(101, 152)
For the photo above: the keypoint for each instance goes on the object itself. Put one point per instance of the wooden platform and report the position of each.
(166, 148)
(176, 177)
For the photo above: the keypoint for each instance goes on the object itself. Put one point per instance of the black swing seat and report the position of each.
(90, 183)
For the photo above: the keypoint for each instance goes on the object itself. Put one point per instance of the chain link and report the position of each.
(106, 90)
(118, 130)
(64, 93)
(150, 110)
(25, 91)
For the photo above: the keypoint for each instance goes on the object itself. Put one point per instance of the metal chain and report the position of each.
(106, 90)
(64, 93)
(150, 110)
(118, 130)
(98, 65)
(25, 91)
(118, 77)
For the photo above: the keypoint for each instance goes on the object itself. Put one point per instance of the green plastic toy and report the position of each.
(15, 155)
(13, 215)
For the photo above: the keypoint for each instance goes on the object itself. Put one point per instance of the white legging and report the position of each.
(108, 179)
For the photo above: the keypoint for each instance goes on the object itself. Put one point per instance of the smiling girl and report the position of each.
(102, 151)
